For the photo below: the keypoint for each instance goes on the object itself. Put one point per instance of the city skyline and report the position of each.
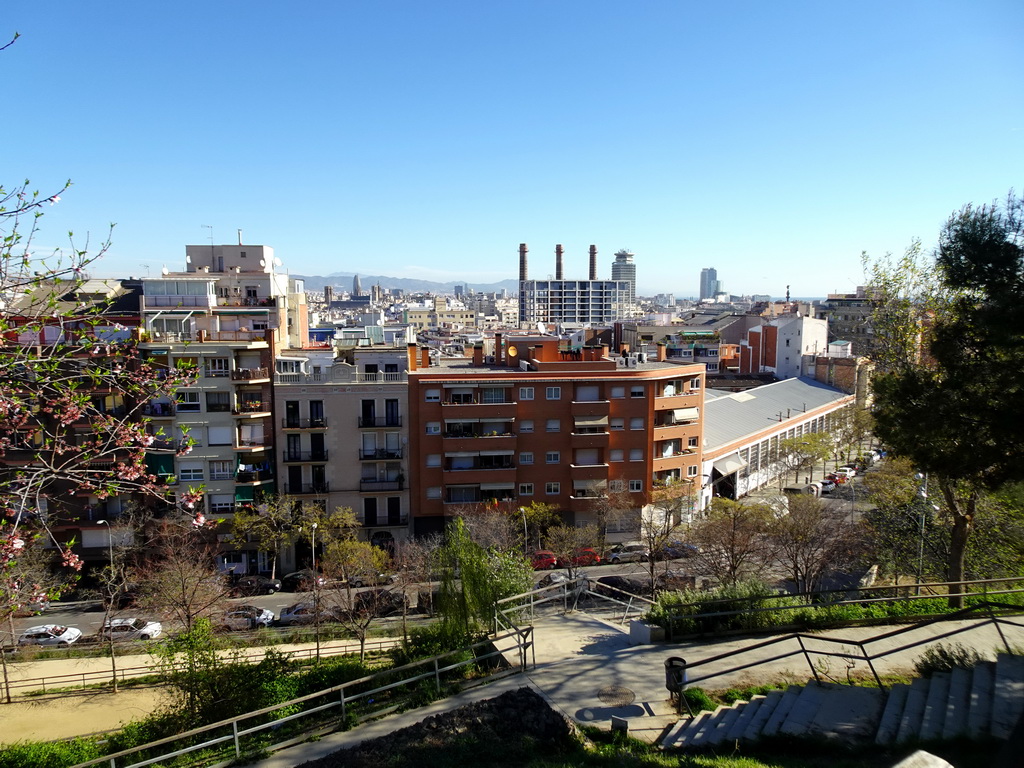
(776, 144)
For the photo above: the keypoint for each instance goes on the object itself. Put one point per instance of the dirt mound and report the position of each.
(494, 732)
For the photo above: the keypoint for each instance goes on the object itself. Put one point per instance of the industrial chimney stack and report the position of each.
(522, 262)
(558, 262)
(593, 262)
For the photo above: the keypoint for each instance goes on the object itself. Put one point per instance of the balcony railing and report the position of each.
(247, 443)
(384, 421)
(380, 453)
(247, 374)
(456, 433)
(383, 520)
(253, 476)
(307, 488)
(177, 301)
(315, 423)
(380, 377)
(305, 455)
(246, 301)
(381, 485)
(251, 406)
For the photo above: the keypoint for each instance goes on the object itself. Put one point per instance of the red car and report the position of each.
(544, 560)
(584, 556)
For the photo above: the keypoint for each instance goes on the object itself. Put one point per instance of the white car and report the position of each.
(304, 613)
(247, 617)
(131, 629)
(50, 634)
(847, 471)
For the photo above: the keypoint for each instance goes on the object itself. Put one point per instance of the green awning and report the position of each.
(160, 463)
(244, 493)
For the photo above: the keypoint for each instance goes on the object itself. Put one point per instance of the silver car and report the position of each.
(247, 617)
(50, 634)
(131, 629)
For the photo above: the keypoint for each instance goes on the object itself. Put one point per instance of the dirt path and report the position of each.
(63, 715)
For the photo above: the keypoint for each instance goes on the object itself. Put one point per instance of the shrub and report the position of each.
(698, 699)
(945, 658)
(48, 754)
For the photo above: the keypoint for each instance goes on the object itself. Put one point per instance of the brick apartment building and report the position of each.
(540, 420)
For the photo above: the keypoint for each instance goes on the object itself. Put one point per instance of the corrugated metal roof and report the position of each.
(729, 416)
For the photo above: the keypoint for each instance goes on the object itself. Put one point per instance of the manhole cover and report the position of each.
(616, 696)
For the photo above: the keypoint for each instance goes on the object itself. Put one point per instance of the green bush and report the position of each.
(945, 658)
(698, 699)
(49, 754)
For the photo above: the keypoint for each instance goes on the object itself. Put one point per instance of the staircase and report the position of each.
(979, 703)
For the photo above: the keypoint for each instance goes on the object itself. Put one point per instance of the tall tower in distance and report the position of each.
(623, 268)
(357, 287)
(708, 283)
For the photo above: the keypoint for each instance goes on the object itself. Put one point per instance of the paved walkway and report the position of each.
(582, 663)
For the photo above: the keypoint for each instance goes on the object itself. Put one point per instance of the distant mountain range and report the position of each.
(343, 280)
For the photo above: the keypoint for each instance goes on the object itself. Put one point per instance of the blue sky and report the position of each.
(772, 141)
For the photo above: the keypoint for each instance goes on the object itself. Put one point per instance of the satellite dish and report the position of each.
(165, 271)
(263, 263)
(512, 351)
(188, 259)
(277, 262)
(543, 329)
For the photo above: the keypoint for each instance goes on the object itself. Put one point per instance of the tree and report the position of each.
(539, 517)
(813, 540)
(565, 541)
(73, 387)
(800, 454)
(270, 524)
(661, 523)
(956, 413)
(733, 541)
(349, 560)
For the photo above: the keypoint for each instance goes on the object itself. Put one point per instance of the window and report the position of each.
(190, 471)
(713, 367)
(587, 457)
(188, 401)
(616, 486)
(553, 425)
(526, 425)
(217, 367)
(553, 393)
(636, 391)
(617, 422)
(526, 489)
(432, 396)
(618, 392)
(714, 352)
(526, 457)
(694, 383)
(692, 442)
(219, 435)
(433, 427)
(434, 492)
(588, 393)
(616, 454)
(218, 402)
(552, 457)
(637, 422)
(552, 489)
(526, 393)
(691, 471)
(492, 394)
(636, 454)
(220, 470)
(787, 342)
(434, 460)
(636, 486)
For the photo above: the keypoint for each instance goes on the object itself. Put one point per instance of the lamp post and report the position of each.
(316, 592)
(110, 544)
(526, 534)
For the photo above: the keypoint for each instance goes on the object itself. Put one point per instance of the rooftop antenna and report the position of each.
(239, 237)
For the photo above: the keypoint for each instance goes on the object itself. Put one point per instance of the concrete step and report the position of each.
(957, 703)
(934, 717)
(1008, 695)
(757, 722)
(782, 710)
(849, 714)
(747, 713)
(675, 737)
(700, 737)
(721, 731)
(692, 728)
(889, 725)
(803, 711)
(913, 710)
(980, 712)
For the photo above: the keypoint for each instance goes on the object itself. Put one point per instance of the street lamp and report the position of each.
(110, 544)
(526, 535)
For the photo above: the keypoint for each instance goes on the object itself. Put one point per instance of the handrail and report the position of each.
(434, 669)
(965, 613)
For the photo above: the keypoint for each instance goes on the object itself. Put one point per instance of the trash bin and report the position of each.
(675, 674)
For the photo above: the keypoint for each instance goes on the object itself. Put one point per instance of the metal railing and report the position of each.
(371, 693)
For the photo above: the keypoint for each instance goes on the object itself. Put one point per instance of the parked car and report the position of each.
(555, 577)
(630, 552)
(301, 581)
(835, 477)
(381, 602)
(676, 580)
(50, 635)
(304, 613)
(32, 608)
(256, 585)
(372, 579)
(583, 556)
(619, 587)
(543, 560)
(827, 486)
(131, 629)
(677, 549)
(847, 470)
(245, 617)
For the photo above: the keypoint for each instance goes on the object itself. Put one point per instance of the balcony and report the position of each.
(386, 520)
(380, 453)
(250, 374)
(246, 301)
(381, 485)
(315, 423)
(307, 488)
(165, 302)
(254, 476)
(293, 456)
(245, 444)
(589, 472)
(506, 441)
(689, 398)
(474, 410)
(251, 408)
(589, 407)
(589, 439)
(371, 422)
